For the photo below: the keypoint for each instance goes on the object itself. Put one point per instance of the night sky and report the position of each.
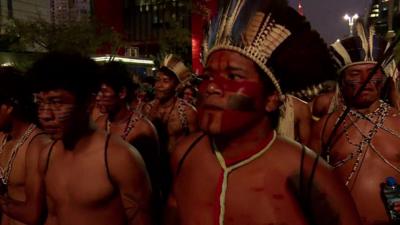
(326, 16)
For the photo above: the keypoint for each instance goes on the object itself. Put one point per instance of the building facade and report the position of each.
(65, 10)
(384, 15)
(24, 9)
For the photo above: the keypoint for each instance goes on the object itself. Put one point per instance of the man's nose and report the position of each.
(214, 88)
(45, 113)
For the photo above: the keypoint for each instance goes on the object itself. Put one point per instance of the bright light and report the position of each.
(7, 64)
(123, 59)
(350, 20)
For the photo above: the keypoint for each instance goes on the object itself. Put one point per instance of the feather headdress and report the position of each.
(276, 38)
(364, 47)
(174, 64)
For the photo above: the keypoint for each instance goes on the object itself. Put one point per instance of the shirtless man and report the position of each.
(241, 172)
(172, 116)
(21, 145)
(113, 100)
(365, 148)
(90, 177)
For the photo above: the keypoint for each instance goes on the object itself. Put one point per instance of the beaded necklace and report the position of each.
(227, 169)
(128, 127)
(360, 148)
(5, 172)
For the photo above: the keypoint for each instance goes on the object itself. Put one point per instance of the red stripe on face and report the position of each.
(240, 102)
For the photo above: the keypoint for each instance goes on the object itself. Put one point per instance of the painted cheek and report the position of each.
(64, 115)
(242, 104)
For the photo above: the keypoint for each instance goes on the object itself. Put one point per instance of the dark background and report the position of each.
(326, 16)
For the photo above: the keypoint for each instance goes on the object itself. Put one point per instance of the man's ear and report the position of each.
(273, 102)
(123, 93)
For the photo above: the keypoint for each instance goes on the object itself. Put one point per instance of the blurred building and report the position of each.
(64, 10)
(144, 24)
(147, 20)
(24, 9)
(384, 15)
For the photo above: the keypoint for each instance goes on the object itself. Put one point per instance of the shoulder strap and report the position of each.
(106, 159)
(182, 160)
(49, 155)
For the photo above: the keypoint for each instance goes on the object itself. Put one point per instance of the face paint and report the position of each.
(244, 105)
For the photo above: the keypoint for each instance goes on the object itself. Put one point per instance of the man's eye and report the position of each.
(234, 77)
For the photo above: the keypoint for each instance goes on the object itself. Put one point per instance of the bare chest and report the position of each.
(366, 151)
(254, 194)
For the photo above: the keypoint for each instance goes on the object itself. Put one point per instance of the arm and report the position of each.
(317, 130)
(191, 113)
(31, 210)
(128, 171)
(302, 121)
(329, 202)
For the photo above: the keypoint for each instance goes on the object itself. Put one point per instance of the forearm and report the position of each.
(21, 211)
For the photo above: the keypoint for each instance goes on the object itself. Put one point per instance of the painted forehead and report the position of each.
(59, 93)
(228, 60)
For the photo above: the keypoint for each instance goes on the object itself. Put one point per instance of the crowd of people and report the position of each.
(83, 143)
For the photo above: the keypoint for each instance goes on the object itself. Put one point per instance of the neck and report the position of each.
(71, 140)
(18, 128)
(164, 103)
(120, 116)
(366, 110)
(233, 146)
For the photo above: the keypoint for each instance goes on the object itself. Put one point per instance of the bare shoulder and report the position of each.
(182, 147)
(189, 108)
(299, 157)
(122, 151)
(393, 119)
(40, 141)
(301, 107)
(321, 104)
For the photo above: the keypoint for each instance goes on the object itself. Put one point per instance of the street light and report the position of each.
(351, 20)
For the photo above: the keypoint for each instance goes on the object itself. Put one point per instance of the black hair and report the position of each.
(117, 76)
(72, 72)
(16, 91)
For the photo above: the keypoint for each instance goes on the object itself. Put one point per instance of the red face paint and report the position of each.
(241, 103)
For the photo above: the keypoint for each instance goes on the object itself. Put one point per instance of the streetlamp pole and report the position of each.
(351, 20)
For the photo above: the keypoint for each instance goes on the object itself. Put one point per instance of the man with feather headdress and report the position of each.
(239, 171)
(364, 148)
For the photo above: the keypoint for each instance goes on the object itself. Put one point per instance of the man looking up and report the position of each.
(240, 171)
